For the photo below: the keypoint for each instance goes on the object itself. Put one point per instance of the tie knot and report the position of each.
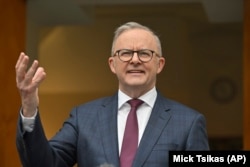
(134, 103)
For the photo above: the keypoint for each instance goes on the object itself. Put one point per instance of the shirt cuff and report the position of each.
(28, 122)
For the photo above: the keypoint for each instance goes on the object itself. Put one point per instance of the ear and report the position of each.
(112, 64)
(161, 64)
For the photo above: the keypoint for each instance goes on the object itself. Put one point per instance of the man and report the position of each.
(94, 134)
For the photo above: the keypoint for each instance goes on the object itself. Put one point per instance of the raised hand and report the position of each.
(28, 81)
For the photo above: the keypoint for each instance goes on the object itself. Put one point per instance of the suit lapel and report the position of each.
(108, 126)
(158, 120)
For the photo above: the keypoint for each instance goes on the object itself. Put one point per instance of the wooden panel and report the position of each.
(246, 69)
(12, 42)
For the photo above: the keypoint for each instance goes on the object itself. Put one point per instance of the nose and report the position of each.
(135, 58)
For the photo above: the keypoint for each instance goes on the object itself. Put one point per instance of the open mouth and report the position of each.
(135, 72)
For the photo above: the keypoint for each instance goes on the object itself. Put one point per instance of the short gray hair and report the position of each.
(134, 25)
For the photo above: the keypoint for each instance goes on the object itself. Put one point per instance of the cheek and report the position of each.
(153, 68)
(117, 68)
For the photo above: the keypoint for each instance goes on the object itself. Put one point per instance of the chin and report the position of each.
(136, 84)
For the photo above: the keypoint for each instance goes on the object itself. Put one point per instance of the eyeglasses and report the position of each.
(144, 55)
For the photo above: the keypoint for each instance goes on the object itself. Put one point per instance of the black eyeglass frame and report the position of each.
(138, 54)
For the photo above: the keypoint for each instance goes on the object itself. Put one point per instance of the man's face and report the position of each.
(134, 73)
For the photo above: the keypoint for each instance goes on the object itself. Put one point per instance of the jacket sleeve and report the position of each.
(197, 138)
(36, 151)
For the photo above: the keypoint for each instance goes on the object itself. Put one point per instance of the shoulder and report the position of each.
(98, 102)
(182, 114)
(177, 108)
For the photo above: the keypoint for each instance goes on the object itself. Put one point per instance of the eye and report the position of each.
(145, 53)
(125, 53)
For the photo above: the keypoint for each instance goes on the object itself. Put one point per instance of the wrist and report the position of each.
(29, 112)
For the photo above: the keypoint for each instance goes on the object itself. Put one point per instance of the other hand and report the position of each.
(28, 81)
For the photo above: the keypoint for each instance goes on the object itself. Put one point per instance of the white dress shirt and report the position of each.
(28, 122)
(143, 113)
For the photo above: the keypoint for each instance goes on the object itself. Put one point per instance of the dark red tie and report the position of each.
(130, 138)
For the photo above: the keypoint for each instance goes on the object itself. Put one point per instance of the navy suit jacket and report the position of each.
(89, 136)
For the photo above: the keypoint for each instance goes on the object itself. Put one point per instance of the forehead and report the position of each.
(136, 39)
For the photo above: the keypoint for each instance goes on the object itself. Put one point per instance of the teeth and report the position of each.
(135, 71)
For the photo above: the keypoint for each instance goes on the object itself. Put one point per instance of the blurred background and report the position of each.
(202, 42)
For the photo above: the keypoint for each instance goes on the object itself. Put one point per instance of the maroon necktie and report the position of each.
(130, 138)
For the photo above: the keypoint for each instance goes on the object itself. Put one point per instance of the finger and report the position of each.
(21, 67)
(39, 76)
(31, 72)
(21, 56)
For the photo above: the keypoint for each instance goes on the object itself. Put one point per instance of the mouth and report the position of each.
(135, 72)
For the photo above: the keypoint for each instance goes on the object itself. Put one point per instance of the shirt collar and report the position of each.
(148, 98)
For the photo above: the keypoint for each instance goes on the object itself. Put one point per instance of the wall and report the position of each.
(12, 33)
(246, 72)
